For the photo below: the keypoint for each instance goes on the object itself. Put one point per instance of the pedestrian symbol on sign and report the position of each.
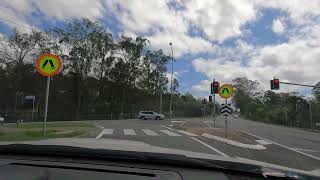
(226, 91)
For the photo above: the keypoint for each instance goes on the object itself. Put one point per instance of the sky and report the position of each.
(212, 39)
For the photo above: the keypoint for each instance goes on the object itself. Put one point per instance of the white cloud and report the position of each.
(300, 12)
(220, 20)
(293, 61)
(63, 10)
(278, 26)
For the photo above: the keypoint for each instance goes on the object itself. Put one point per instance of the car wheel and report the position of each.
(142, 118)
(157, 118)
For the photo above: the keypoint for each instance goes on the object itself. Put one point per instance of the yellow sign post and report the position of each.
(48, 65)
(226, 91)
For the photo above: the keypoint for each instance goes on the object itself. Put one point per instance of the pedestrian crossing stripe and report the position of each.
(170, 133)
(149, 132)
(129, 132)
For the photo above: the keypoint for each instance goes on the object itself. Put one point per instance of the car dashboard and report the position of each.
(53, 168)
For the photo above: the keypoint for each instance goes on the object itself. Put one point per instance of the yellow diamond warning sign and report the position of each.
(226, 91)
(48, 64)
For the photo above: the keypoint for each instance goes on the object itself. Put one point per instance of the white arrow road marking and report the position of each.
(150, 132)
(129, 132)
(170, 133)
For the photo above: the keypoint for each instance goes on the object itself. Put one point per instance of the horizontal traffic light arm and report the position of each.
(296, 84)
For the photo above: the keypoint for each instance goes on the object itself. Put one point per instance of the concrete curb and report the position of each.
(234, 143)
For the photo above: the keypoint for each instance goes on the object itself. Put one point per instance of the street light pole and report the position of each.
(171, 88)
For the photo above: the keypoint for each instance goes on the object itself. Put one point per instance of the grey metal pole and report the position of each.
(160, 108)
(214, 108)
(311, 120)
(32, 108)
(226, 122)
(171, 89)
(46, 106)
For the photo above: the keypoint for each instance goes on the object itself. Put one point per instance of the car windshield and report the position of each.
(233, 78)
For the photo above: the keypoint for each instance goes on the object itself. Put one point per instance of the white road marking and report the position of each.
(306, 150)
(108, 131)
(183, 123)
(263, 142)
(100, 134)
(105, 131)
(167, 127)
(170, 133)
(292, 149)
(150, 132)
(176, 121)
(210, 147)
(100, 126)
(129, 132)
(187, 133)
(209, 125)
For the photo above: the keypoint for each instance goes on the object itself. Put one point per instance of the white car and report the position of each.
(236, 116)
(1, 119)
(144, 115)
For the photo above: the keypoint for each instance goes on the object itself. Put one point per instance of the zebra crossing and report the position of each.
(144, 132)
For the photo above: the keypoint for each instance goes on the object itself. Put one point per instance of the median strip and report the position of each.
(234, 143)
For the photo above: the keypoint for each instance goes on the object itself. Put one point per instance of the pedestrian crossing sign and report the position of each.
(48, 64)
(226, 91)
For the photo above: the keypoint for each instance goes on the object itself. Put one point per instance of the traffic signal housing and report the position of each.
(210, 98)
(204, 101)
(275, 84)
(215, 87)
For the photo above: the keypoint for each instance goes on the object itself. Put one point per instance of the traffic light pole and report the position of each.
(214, 108)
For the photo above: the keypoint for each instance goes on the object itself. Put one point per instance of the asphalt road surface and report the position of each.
(279, 152)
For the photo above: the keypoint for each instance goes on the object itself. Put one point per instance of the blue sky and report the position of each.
(211, 39)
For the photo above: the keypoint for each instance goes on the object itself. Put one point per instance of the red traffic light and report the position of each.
(215, 87)
(275, 84)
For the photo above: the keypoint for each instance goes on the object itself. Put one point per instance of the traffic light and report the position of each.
(215, 87)
(204, 101)
(275, 84)
(210, 98)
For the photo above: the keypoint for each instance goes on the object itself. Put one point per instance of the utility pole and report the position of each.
(311, 120)
(171, 88)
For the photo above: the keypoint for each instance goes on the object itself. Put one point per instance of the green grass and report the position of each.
(37, 135)
(33, 131)
(49, 125)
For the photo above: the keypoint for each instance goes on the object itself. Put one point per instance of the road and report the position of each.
(305, 141)
(160, 133)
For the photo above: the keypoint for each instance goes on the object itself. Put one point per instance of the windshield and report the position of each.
(235, 79)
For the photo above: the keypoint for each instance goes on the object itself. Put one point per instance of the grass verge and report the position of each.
(33, 131)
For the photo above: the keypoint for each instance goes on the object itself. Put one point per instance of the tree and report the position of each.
(246, 93)
(154, 79)
(85, 44)
(316, 92)
(175, 86)
(16, 55)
